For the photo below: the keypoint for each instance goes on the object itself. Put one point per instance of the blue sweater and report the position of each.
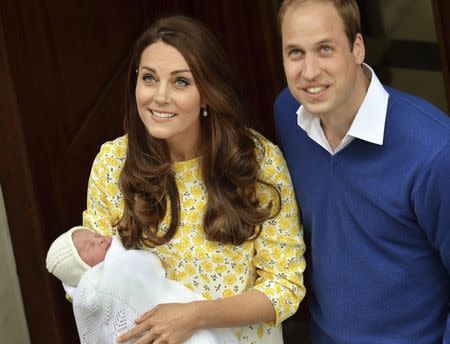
(377, 225)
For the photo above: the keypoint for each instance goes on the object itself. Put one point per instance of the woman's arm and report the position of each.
(250, 307)
(103, 195)
(176, 322)
(279, 258)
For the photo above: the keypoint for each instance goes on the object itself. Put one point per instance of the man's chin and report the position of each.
(316, 108)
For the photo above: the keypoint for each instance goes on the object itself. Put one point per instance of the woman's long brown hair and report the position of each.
(229, 161)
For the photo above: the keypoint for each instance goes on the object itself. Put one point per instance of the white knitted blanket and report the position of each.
(111, 295)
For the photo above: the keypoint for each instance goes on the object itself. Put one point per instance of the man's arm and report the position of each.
(431, 201)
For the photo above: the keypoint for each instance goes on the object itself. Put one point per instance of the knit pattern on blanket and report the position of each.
(111, 295)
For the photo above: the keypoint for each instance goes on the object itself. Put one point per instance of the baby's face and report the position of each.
(92, 247)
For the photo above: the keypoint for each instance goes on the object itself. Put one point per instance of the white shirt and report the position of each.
(368, 124)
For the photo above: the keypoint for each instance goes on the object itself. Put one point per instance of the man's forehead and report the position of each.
(313, 17)
(310, 41)
(312, 33)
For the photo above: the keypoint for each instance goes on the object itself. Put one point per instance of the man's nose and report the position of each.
(311, 67)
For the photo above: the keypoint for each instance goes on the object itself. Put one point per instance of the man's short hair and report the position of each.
(348, 10)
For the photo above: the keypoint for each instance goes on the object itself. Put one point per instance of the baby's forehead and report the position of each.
(81, 235)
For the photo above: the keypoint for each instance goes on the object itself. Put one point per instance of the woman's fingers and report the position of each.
(136, 331)
(141, 327)
(146, 315)
(149, 337)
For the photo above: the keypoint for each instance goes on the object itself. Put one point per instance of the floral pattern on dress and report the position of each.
(273, 263)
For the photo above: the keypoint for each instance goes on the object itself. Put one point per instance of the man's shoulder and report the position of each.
(285, 100)
(417, 111)
(416, 121)
(284, 95)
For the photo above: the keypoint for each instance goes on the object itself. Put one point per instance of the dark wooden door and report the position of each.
(62, 69)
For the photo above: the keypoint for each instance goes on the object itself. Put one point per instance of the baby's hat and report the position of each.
(63, 259)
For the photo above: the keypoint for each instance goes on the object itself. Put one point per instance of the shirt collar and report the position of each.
(368, 124)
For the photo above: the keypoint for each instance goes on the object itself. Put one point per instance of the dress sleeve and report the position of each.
(103, 195)
(279, 257)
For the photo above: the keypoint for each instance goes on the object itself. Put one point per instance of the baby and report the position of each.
(74, 252)
(111, 286)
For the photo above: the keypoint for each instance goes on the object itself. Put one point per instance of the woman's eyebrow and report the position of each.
(178, 71)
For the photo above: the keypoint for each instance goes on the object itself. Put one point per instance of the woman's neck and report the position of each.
(184, 150)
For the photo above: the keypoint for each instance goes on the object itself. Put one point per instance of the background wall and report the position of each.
(13, 325)
(402, 44)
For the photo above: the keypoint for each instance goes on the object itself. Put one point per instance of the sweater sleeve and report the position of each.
(431, 201)
(280, 248)
(103, 195)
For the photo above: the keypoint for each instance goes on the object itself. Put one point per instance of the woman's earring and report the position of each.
(204, 112)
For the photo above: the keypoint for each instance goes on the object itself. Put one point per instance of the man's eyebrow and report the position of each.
(324, 41)
(291, 46)
(321, 42)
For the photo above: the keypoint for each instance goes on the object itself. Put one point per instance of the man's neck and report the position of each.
(336, 126)
(335, 132)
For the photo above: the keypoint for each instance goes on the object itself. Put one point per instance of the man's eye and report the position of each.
(295, 52)
(326, 49)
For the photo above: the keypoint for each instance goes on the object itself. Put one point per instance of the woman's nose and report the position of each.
(162, 95)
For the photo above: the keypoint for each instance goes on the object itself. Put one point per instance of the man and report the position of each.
(371, 169)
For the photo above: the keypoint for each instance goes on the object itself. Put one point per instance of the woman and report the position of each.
(211, 198)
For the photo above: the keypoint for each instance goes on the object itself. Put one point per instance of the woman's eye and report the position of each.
(148, 78)
(181, 82)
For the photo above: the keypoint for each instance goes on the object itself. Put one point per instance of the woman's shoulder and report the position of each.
(116, 149)
(264, 147)
(112, 154)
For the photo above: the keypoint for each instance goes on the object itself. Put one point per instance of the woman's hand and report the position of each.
(172, 323)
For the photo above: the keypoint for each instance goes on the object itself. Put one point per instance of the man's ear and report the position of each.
(359, 49)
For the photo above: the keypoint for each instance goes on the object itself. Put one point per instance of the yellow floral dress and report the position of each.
(273, 263)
